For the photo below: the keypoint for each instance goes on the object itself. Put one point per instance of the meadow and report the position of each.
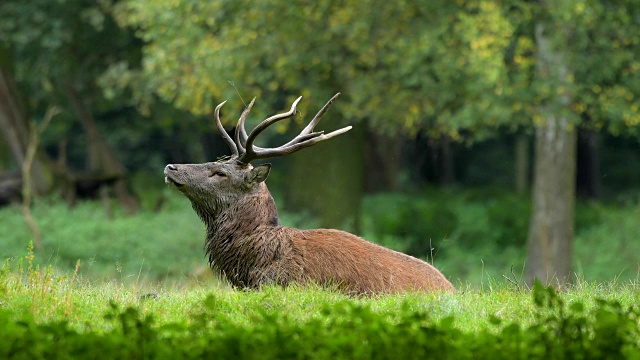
(138, 287)
(473, 236)
(44, 315)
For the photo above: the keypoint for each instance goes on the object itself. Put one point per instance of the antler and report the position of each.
(242, 147)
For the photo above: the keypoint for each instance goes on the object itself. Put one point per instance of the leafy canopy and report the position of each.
(463, 68)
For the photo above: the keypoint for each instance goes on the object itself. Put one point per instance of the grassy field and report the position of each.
(40, 292)
(49, 315)
(484, 243)
(138, 287)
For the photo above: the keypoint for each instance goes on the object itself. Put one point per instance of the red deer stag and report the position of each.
(246, 243)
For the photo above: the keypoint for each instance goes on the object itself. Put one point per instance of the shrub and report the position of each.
(346, 329)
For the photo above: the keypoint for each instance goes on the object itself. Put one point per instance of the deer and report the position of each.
(246, 244)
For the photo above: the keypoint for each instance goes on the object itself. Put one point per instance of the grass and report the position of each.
(148, 247)
(26, 289)
(167, 246)
(48, 315)
(96, 273)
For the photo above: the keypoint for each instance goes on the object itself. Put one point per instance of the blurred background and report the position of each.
(498, 140)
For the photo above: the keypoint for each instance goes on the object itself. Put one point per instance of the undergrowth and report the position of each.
(44, 315)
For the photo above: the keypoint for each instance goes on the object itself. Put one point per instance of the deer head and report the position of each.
(214, 186)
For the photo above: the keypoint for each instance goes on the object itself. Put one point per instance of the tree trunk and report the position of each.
(383, 160)
(522, 163)
(328, 179)
(448, 164)
(32, 146)
(441, 168)
(589, 182)
(5, 156)
(14, 126)
(552, 219)
(100, 157)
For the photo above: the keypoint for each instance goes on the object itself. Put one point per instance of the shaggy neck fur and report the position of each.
(239, 235)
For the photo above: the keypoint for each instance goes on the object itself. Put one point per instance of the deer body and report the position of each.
(246, 243)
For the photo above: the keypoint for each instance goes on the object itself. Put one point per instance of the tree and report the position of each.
(272, 61)
(32, 146)
(14, 126)
(59, 49)
(551, 226)
(408, 77)
(583, 51)
(459, 71)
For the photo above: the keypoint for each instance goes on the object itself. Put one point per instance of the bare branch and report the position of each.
(27, 191)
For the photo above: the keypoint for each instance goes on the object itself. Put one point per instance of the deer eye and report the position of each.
(218, 173)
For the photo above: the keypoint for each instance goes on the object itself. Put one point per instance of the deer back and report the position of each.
(359, 266)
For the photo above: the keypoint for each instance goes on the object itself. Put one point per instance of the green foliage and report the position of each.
(605, 84)
(62, 44)
(465, 217)
(473, 236)
(274, 323)
(610, 329)
(134, 249)
(602, 251)
(463, 68)
(459, 68)
(425, 222)
(432, 68)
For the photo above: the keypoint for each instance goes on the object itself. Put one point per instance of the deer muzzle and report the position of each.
(170, 172)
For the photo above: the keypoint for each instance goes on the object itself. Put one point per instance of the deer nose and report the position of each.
(170, 167)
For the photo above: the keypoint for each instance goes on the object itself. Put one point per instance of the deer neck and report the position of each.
(239, 239)
(254, 212)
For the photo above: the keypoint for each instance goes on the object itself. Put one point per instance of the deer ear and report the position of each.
(259, 174)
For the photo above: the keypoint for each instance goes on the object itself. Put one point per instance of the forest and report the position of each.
(496, 139)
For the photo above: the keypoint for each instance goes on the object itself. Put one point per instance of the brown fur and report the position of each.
(246, 243)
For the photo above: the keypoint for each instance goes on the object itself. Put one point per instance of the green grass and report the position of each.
(48, 315)
(146, 247)
(29, 289)
(84, 294)
(475, 240)
(57, 317)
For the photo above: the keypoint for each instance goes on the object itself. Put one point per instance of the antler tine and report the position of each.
(319, 115)
(305, 139)
(241, 133)
(307, 133)
(223, 132)
(250, 151)
(288, 149)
